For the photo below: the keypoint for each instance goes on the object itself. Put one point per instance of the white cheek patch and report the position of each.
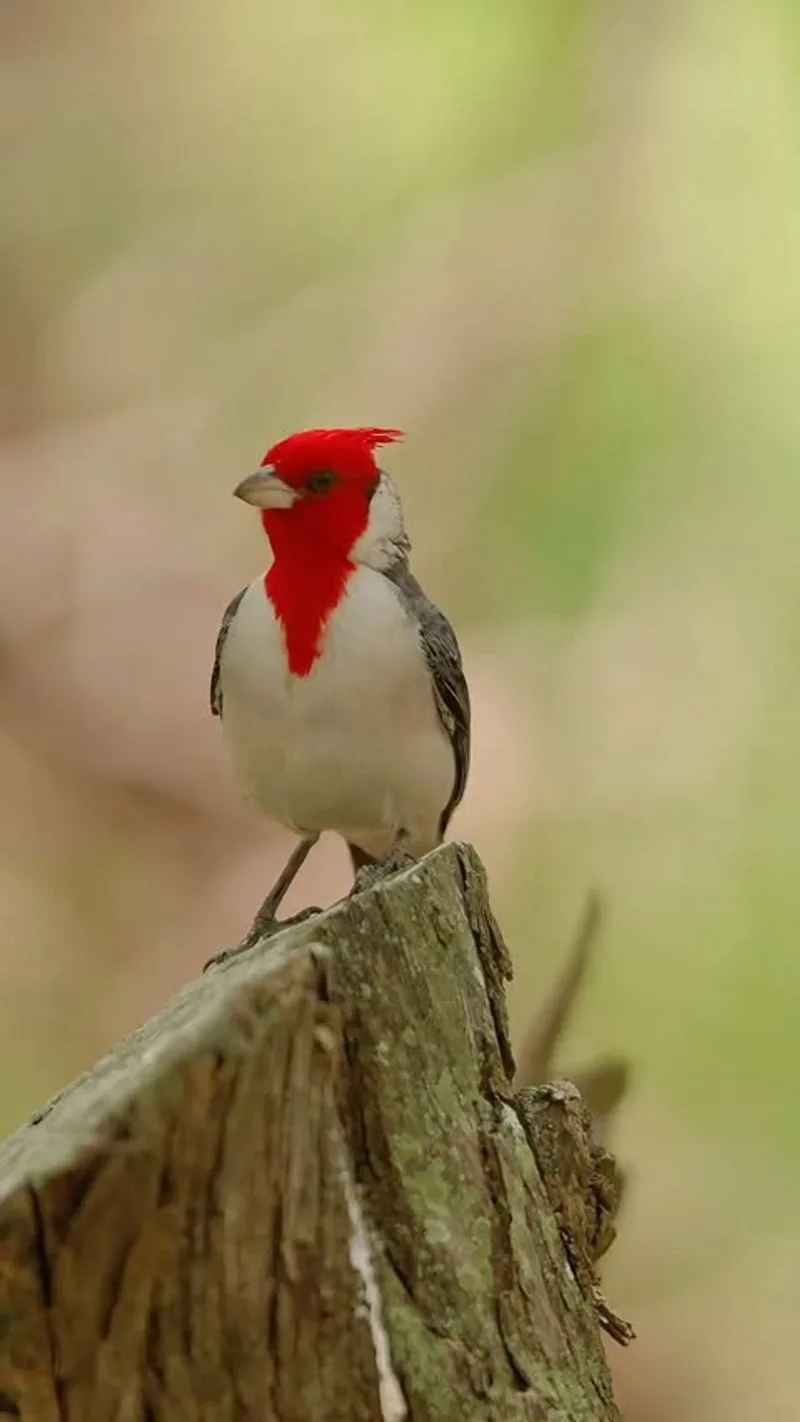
(384, 536)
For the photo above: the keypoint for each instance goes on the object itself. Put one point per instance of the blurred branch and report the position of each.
(304, 1191)
(539, 1045)
(604, 1083)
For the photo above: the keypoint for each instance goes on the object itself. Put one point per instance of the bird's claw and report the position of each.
(261, 930)
(371, 874)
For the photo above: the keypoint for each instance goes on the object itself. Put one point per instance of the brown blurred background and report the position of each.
(558, 244)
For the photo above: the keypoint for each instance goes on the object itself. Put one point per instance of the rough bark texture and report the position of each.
(305, 1191)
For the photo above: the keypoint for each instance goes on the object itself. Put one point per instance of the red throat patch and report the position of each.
(303, 601)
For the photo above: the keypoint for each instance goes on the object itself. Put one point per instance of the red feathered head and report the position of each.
(347, 454)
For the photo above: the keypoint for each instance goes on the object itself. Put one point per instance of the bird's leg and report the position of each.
(266, 914)
(371, 874)
(265, 922)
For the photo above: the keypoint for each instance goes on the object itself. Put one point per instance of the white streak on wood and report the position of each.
(392, 1401)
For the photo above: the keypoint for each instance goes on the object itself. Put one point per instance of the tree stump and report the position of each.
(307, 1192)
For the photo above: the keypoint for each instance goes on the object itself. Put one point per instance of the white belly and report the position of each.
(356, 746)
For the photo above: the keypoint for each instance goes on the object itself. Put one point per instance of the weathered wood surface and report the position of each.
(305, 1191)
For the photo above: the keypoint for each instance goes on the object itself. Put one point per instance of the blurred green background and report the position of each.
(557, 243)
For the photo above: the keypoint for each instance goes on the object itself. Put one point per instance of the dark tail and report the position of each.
(359, 857)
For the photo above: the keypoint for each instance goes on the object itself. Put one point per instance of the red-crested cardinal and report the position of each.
(339, 685)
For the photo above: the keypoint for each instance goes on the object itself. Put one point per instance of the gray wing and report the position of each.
(225, 627)
(450, 688)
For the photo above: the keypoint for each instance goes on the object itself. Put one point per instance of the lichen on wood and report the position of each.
(305, 1190)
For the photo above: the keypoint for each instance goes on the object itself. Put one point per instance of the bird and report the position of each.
(339, 685)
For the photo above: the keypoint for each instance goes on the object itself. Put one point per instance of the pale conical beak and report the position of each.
(265, 490)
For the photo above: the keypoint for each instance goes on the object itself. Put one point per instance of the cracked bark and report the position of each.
(307, 1190)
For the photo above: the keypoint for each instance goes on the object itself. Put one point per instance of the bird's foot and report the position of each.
(369, 875)
(262, 928)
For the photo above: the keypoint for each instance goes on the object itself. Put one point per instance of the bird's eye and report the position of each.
(320, 482)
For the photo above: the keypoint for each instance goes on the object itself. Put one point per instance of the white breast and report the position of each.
(357, 745)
